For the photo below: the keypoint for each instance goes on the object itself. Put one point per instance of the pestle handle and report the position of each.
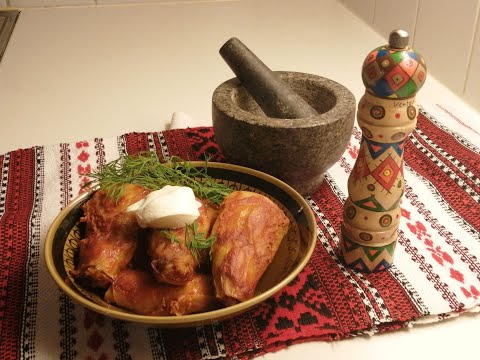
(273, 95)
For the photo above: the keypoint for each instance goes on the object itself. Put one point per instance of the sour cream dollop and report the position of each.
(170, 207)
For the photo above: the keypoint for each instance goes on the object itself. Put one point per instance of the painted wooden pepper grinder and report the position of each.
(387, 114)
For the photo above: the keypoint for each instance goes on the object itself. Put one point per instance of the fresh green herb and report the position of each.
(197, 241)
(146, 170)
(170, 236)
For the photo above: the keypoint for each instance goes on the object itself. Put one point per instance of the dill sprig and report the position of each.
(195, 240)
(170, 236)
(146, 170)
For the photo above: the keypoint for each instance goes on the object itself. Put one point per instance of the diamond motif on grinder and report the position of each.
(370, 203)
(386, 173)
(397, 78)
(360, 169)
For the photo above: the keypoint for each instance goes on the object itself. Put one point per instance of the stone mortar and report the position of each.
(297, 151)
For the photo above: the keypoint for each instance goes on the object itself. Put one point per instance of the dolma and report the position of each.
(248, 230)
(111, 236)
(139, 292)
(172, 261)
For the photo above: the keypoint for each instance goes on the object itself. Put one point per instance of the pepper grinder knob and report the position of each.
(387, 114)
(398, 39)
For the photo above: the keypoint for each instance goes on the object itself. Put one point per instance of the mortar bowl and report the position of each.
(297, 151)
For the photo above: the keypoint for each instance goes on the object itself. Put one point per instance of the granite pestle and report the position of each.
(275, 97)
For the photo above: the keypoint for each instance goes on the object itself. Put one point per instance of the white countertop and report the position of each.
(81, 72)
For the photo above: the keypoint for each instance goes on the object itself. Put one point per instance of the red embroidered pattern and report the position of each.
(326, 301)
(18, 171)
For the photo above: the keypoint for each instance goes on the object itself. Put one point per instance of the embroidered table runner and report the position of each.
(436, 272)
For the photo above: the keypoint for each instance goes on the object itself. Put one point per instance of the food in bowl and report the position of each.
(66, 231)
(111, 239)
(248, 231)
(139, 292)
(173, 259)
(215, 259)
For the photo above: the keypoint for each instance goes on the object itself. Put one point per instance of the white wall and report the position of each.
(445, 32)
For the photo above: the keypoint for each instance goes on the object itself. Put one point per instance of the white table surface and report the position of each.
(81, 72)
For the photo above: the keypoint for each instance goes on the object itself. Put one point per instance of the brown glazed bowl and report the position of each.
(61, 248)
(297, 151)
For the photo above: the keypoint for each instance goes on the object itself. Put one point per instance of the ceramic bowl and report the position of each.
(61, 247)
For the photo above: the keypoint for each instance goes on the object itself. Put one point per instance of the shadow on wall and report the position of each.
(8, 18)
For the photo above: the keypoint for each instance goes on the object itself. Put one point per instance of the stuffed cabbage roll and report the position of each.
(111, 236)
(248, 230)
(138, 291)
(172, 261)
